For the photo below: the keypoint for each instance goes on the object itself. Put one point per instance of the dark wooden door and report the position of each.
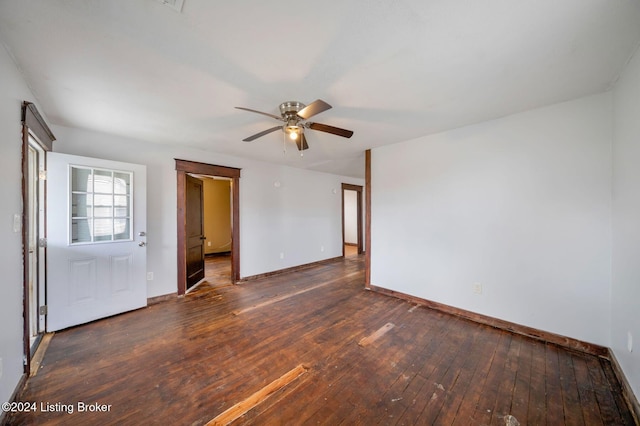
(194, 226)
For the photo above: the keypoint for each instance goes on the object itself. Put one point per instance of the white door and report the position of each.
(96, 239)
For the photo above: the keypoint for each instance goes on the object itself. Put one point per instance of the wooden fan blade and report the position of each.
(264, 132)
(315, 107)
(330, 129)
(302, 142)
(260, 112)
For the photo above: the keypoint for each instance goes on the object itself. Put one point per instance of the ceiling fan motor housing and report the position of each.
(289, 110)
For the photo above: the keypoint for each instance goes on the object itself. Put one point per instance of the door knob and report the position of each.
(142, 244)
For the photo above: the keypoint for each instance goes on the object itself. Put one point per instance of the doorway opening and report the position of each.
(34, 209)
(37, 140)
(352, 241)
(200, 254)
(217, 229)
(209, 230)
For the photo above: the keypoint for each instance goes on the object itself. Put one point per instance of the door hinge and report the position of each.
(42, 242)
(43, 310)
(42, 174)
(24, 360)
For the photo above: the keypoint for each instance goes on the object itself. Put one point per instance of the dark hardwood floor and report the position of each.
(217, 269)
(357, 357)
(350, 250)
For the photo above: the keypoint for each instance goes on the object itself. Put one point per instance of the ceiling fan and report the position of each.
(295, 114)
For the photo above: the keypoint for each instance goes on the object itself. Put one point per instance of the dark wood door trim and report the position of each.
(182, 168)
(358, 189)
(34, 124)
(32, 119)
(207, 169)
(367, 220)
(25, 249)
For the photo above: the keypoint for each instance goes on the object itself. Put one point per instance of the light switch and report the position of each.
(17, 222)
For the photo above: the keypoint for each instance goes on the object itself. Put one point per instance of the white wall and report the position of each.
(350, 216)
(13, 90)
(521, 205)
(300, 218)
(625, 290)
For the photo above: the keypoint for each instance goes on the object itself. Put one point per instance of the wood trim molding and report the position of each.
(342, 217)
(34, 121)
(358, 189)
(162, 298)
(207, 169)
(182, 168)
(235, 231)
(291, 269)
(25, 249)
(545, 336)
(32, 124)
(367, 213)
(627, 391)
(351, 187)
(40, 353)
(181, 231)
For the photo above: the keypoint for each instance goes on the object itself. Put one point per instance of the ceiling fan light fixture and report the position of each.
(293, 132)
(295, 114)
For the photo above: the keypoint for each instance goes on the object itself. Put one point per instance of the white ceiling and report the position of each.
(393, 70)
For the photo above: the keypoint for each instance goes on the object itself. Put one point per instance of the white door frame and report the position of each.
(35, 209)
(33, 128)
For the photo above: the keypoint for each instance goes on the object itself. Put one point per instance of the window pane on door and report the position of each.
(101, 207)
(80, 179)
(80, 231)
(81, 205)
(121, 229)
(121, 206)
(102, 182)
(122, 183)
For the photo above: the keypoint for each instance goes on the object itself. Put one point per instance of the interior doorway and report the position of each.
(217, 229)
(209, 230)
(352, 240)
(187, 170)
(35, 234)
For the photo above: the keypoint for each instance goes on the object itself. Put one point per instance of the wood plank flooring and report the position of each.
(217, 269)
(186, 361)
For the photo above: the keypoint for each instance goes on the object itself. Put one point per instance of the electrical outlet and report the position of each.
(477, 288)
(629, 341)
(149, 276)
(321, 248)
(208, 243)
(281, 255)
